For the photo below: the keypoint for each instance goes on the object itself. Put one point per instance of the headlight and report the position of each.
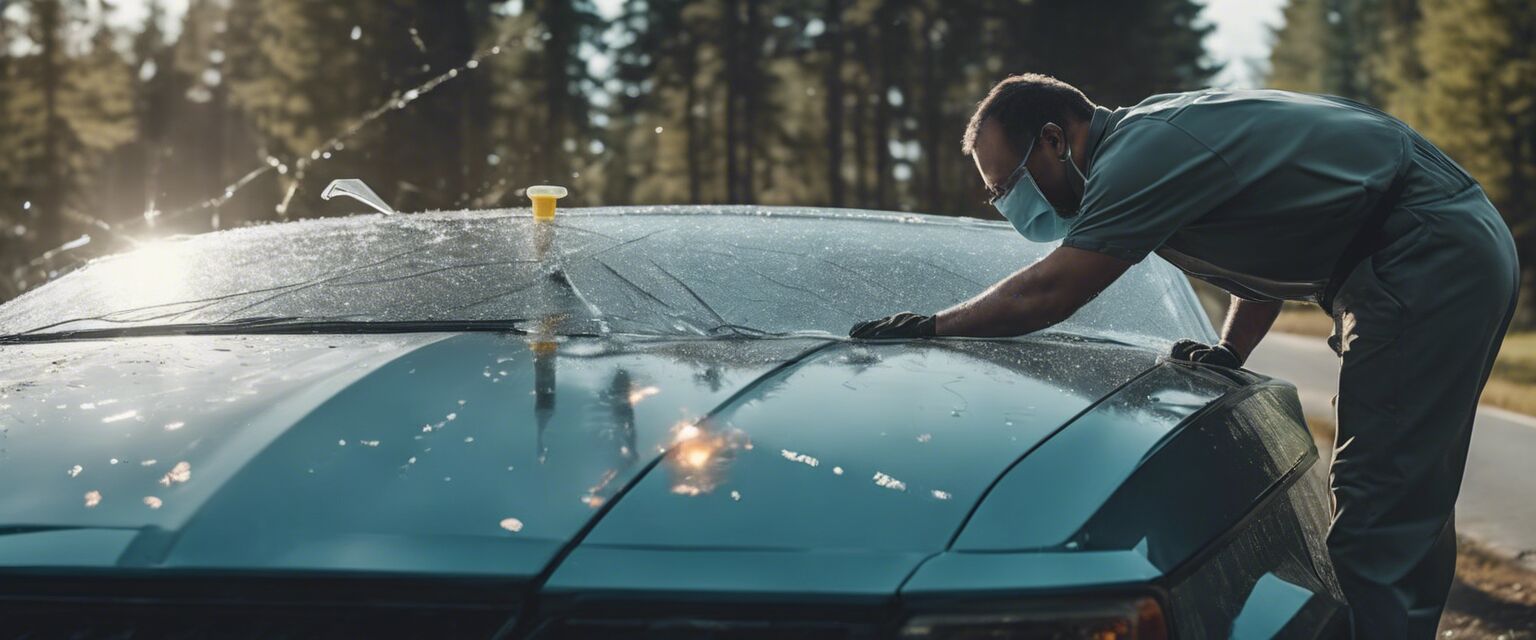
(1139, 618)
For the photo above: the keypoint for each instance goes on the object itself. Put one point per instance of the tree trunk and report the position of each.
(729, 47)
(450, 36)
(556, 17)
(933, 92)
(50, 212)
(751, 72)
(217, 150)
(860, 132)
(879, 72)
(691, 119)
(834, 39)
(475, 121)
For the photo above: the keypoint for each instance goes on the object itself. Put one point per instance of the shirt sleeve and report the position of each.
(1150, 179)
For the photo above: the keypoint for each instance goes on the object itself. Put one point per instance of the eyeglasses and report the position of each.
(997, 192)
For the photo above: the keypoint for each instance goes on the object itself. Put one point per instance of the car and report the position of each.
(635, 422)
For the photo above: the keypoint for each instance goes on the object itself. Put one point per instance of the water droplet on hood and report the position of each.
(182, 472)
(799, 457)
(888, 482)
(117, 417)
(642, 393)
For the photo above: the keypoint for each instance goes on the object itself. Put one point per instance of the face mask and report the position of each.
(1026, 207)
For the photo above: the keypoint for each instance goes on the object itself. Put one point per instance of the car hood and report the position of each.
(498, 456)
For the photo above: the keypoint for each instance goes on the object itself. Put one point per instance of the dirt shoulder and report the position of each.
(1493, 597)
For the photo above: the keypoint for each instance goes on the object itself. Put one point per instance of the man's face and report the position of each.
(996, 161)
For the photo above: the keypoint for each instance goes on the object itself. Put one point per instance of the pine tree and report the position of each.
(1147, 47)
(1301, 50)
(541, 117)
(1359, 49)
(1477, 99)
(66, 111)
(14, 209)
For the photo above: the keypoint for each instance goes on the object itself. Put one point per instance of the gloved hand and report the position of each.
(1221, 355)
(901, 325)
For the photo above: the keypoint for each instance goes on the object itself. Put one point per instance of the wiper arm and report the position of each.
(276, 325)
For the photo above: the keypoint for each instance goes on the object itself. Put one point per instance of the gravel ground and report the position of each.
(1494, 597)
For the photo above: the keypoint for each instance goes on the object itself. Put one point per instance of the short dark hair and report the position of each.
(1022, 104)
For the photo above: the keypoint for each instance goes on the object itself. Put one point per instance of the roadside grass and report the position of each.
(1512, 385)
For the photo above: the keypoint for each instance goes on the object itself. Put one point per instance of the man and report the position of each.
(1275, 196)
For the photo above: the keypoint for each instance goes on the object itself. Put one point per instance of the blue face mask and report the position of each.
(1025, 205)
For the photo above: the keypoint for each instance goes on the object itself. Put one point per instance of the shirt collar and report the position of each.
(1097, 127)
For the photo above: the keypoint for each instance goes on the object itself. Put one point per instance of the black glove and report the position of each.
(901, 325)
(1221, 355)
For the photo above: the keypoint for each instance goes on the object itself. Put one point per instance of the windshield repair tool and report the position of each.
(544, 197)
(357, 190)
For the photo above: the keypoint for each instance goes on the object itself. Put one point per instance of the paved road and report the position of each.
(1498, 496)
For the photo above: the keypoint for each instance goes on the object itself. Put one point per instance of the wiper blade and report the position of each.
(274, 325)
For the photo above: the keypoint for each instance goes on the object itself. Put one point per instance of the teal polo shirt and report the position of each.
(1258, 191)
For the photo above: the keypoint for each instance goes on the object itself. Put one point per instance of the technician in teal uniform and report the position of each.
(1275, 196)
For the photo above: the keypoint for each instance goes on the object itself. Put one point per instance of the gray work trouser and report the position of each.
(1417, 325)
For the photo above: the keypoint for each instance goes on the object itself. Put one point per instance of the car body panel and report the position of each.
(667, 414)
(66, 548)
(126, 412)
(321, 458)
(1075, 473)
(836, 464)
(967, 574)
(848, 576)
(340, 459)
(1271, 605)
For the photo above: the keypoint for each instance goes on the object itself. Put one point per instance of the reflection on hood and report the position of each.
(485, 454)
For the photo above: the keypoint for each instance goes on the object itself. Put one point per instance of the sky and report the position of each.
(1241, 40)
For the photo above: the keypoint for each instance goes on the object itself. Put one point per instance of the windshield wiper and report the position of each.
(274, 325)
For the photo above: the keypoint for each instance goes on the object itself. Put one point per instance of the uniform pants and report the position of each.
(1417, 325)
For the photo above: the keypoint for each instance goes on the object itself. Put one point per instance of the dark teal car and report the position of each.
(633, 423)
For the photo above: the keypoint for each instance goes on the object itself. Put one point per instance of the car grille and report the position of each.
(92, 621)
(702, 629)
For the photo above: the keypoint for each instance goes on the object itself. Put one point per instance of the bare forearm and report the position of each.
(1017, 305)
(1247, 323)
(1034, 297)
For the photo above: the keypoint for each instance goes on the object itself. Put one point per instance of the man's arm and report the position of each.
(1034, 297)
(1247, 323)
